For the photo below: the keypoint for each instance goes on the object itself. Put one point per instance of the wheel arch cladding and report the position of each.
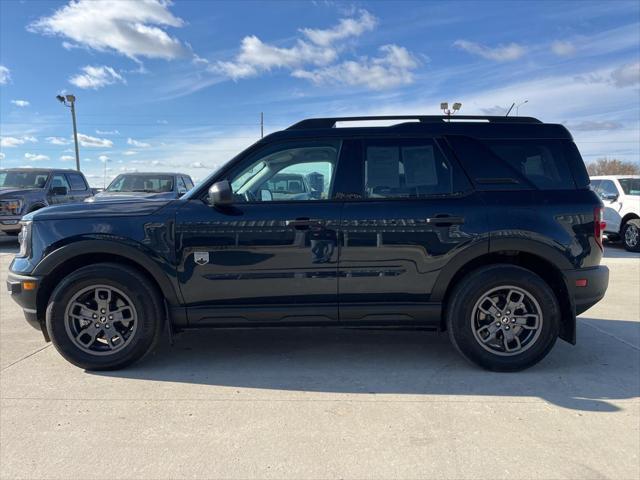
(540, 266)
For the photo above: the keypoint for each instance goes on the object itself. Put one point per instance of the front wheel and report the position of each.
(631, 235)
(503, 318)
(104, 317)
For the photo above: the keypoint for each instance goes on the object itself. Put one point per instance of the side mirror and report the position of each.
(182, 191)
(59, 190)
(220, 194)
(611, 197)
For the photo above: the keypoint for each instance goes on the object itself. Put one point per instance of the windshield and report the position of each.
(141, 183)
(631, 186)
(23, 179)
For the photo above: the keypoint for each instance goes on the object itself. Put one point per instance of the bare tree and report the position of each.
(613, 166)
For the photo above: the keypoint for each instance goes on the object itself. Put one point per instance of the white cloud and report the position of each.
(595, 125)
(2, 156)
(130, 27)
(95, 77)
(5, 75)
(58, 140)
(89, 141)
(35, 157)
(395, 67)
(318, 48)
(197, 165)
(129, 152)
(16, 141)
(128, 169)
(20, 103)
(626, 75)
(67, 158)
(103, 158)
(137, 143)
(347, 27)
(108, 132)
(501, 53)
(563, 48)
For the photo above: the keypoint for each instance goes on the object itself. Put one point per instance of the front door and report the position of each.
(414, 214)
(272, 256)
(58, 189)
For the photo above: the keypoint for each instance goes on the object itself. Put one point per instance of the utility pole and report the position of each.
(70, 102)
(261, 124)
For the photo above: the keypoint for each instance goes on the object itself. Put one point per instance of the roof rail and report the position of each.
(311, 123)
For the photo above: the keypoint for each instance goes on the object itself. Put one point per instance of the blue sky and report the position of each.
(180, 85)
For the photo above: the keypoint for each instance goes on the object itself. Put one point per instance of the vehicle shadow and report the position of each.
(616, 250)
(599, 368)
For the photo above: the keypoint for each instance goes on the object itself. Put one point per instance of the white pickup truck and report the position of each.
(621, 197)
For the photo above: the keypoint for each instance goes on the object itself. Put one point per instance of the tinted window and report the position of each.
(405, 169)
(542, 162)
(292, 172)
(60, 180)
(181, 186)
(607, 187)
(630, 186)
(76, 181)
(23, 179)
(595, 184)
(147, 183)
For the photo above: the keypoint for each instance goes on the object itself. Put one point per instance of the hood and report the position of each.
(129, 196)
(11, 192)
(85, 210)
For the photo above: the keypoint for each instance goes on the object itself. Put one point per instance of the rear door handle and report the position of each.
(445, 220)
(304, 223)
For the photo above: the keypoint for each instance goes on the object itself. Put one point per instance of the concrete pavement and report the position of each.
(329, 403)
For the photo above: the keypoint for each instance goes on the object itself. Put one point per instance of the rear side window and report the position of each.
(76, 181)
(542, 162)
(408, 168)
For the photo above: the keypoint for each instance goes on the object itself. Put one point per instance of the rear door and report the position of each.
(412, 213)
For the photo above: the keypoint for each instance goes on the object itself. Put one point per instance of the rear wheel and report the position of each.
(503, 318)
(631, 235)
(104, 316)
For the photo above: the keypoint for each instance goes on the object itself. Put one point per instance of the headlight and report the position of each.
(13, 207)
(25, 239)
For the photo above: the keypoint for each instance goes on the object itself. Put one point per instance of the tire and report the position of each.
(131, 324)
(631, 235)
(476, 334)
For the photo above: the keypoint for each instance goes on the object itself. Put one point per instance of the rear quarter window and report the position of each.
(544, 163)
(76, 181)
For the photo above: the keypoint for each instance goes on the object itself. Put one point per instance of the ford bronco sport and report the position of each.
(484, 227)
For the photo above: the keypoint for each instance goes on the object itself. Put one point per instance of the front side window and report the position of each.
(406, 169)
(292, 172)
(60, 181)
(607, 187)
(141, 183)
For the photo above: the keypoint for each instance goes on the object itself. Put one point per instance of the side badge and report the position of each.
(201, 257)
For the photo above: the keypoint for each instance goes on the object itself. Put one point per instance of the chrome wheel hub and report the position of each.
(506, 320)
(631, 235)
(101, 320)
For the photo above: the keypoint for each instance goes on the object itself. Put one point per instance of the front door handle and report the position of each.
(445, 220)
(304, 223)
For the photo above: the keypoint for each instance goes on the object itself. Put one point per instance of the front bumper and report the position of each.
(10, 224)
(595, 281)
(24, 291)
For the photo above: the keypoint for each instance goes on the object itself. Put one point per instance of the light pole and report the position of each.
(444, 106)
(70, 101)
(519, 105)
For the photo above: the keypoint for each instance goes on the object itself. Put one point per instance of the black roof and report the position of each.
(154, 173)
(44, 170)
(486, 127)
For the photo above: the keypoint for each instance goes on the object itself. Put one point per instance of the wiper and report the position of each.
(144, 190)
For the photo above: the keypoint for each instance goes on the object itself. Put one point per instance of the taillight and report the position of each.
(598, 224)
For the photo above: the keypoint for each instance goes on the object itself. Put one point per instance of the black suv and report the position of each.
(484, 227)
(25, 190)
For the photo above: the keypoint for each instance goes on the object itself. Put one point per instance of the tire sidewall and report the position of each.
(630, 224)
(481, 282)
(129, 282)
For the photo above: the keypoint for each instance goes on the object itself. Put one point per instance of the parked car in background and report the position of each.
(621, 197)
(25, 190)
(151, 186)
(485, 228)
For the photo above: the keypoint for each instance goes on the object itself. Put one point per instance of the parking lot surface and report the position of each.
(327, 403)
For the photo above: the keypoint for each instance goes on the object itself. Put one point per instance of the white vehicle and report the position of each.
(621, 197)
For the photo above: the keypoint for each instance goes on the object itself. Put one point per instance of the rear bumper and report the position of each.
(595, 281)
(26, 298)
